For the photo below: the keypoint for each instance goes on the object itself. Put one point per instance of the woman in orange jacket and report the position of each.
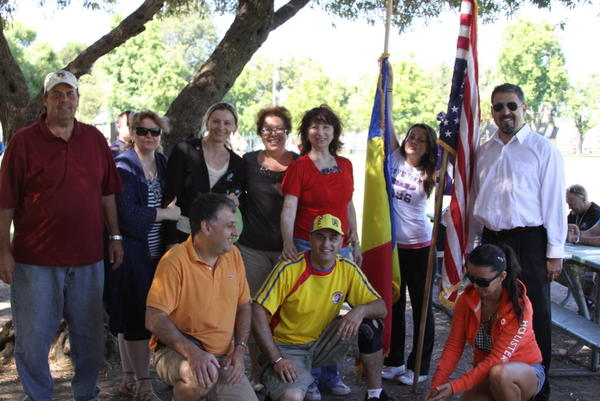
(495, 316)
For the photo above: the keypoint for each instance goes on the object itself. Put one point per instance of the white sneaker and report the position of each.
(409, 377)
(340, 388)
(390, 372)
(313, 394)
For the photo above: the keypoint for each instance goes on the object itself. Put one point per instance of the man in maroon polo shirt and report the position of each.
(57, 185)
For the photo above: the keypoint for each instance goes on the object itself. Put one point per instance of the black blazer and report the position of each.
(187, 177)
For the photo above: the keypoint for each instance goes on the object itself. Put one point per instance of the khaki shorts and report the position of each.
(168, 364)
(329, 349)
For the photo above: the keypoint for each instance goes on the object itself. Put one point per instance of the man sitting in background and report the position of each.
(584, 214)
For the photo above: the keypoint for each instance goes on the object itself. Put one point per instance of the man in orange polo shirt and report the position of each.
(198, 308)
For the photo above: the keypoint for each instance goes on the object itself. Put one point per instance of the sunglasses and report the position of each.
(482, 282)
(512, 106)
(576, 191)
(142, 131)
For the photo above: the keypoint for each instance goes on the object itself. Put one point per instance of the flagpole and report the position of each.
(388, 20)
(439, 195)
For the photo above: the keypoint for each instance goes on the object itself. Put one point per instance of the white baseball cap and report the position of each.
(59, 77)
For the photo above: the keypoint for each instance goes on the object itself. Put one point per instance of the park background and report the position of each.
(318, 58)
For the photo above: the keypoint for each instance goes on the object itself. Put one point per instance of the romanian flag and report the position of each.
(380, 262)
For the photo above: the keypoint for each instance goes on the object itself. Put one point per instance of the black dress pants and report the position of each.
(413, 271)
(530, 247)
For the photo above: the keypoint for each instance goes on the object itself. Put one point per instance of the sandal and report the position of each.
(144, 390)
(128, 384)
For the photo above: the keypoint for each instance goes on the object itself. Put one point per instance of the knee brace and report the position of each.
(369, 336)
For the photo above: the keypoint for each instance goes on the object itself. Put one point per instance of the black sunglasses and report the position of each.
(575, 190)
(512, 106)
(482, 282)
(142, 131)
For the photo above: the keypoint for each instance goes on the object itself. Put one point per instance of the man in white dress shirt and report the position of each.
(519, 189)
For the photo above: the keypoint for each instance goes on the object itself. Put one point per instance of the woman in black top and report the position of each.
(203, 165)
(260, 242)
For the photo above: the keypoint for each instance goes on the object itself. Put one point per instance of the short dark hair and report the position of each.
(205, 208)
(577, 189)
(277, 111)
(509, 88)
(322, 114)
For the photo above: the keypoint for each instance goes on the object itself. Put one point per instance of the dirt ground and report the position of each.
(563, 388)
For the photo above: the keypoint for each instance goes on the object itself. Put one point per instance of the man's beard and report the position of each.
(507, 126)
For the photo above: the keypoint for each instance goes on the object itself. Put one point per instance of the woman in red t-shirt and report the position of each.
(319, 182)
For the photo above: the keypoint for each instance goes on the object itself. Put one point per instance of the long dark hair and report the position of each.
(429, 159)
(500, 258)
(321, 114)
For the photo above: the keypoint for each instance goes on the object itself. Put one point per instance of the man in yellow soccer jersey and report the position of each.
(296, 322)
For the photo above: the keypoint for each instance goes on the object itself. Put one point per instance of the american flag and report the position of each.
(459, 134)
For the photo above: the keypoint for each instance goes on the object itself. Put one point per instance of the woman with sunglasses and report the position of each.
(142, 170)
(201, 165)
(495, 316)
(261, 202)
(413, 179)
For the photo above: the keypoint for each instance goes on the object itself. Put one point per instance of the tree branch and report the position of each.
(128, 28)
(286, 12)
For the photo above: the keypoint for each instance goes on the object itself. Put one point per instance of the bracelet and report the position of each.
(276, 361)
(116, 237)
(242, 344)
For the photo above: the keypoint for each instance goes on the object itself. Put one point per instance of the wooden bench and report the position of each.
(579, 327)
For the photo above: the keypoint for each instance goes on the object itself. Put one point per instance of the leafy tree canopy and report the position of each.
(537, 64)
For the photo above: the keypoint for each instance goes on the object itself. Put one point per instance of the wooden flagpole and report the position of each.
(388, 20)
(439, 195)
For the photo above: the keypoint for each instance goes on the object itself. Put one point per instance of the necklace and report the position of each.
(579, 220)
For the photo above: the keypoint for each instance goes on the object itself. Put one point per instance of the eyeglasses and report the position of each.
(142, 131)
(269, 131)
(512, 106)
(482, 282)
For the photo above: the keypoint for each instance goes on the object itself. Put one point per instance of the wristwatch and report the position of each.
(116, 237)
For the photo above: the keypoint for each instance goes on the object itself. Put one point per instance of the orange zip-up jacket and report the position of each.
(513, 341)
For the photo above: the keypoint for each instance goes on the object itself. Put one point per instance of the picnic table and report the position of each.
(584, 325)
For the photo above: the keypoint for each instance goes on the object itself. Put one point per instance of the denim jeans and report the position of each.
(327, 376)
(40, 297)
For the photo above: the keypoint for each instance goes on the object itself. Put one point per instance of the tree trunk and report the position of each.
(60, 349)
(253, 22)
(18, 108)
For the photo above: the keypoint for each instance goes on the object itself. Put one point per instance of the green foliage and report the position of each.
(531, 57)
(300, 84)
(419, 95)
(583, 106)
(149, 70)
(37, 59)
(404, 12)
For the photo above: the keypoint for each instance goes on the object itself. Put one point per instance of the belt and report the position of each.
(513, 231)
